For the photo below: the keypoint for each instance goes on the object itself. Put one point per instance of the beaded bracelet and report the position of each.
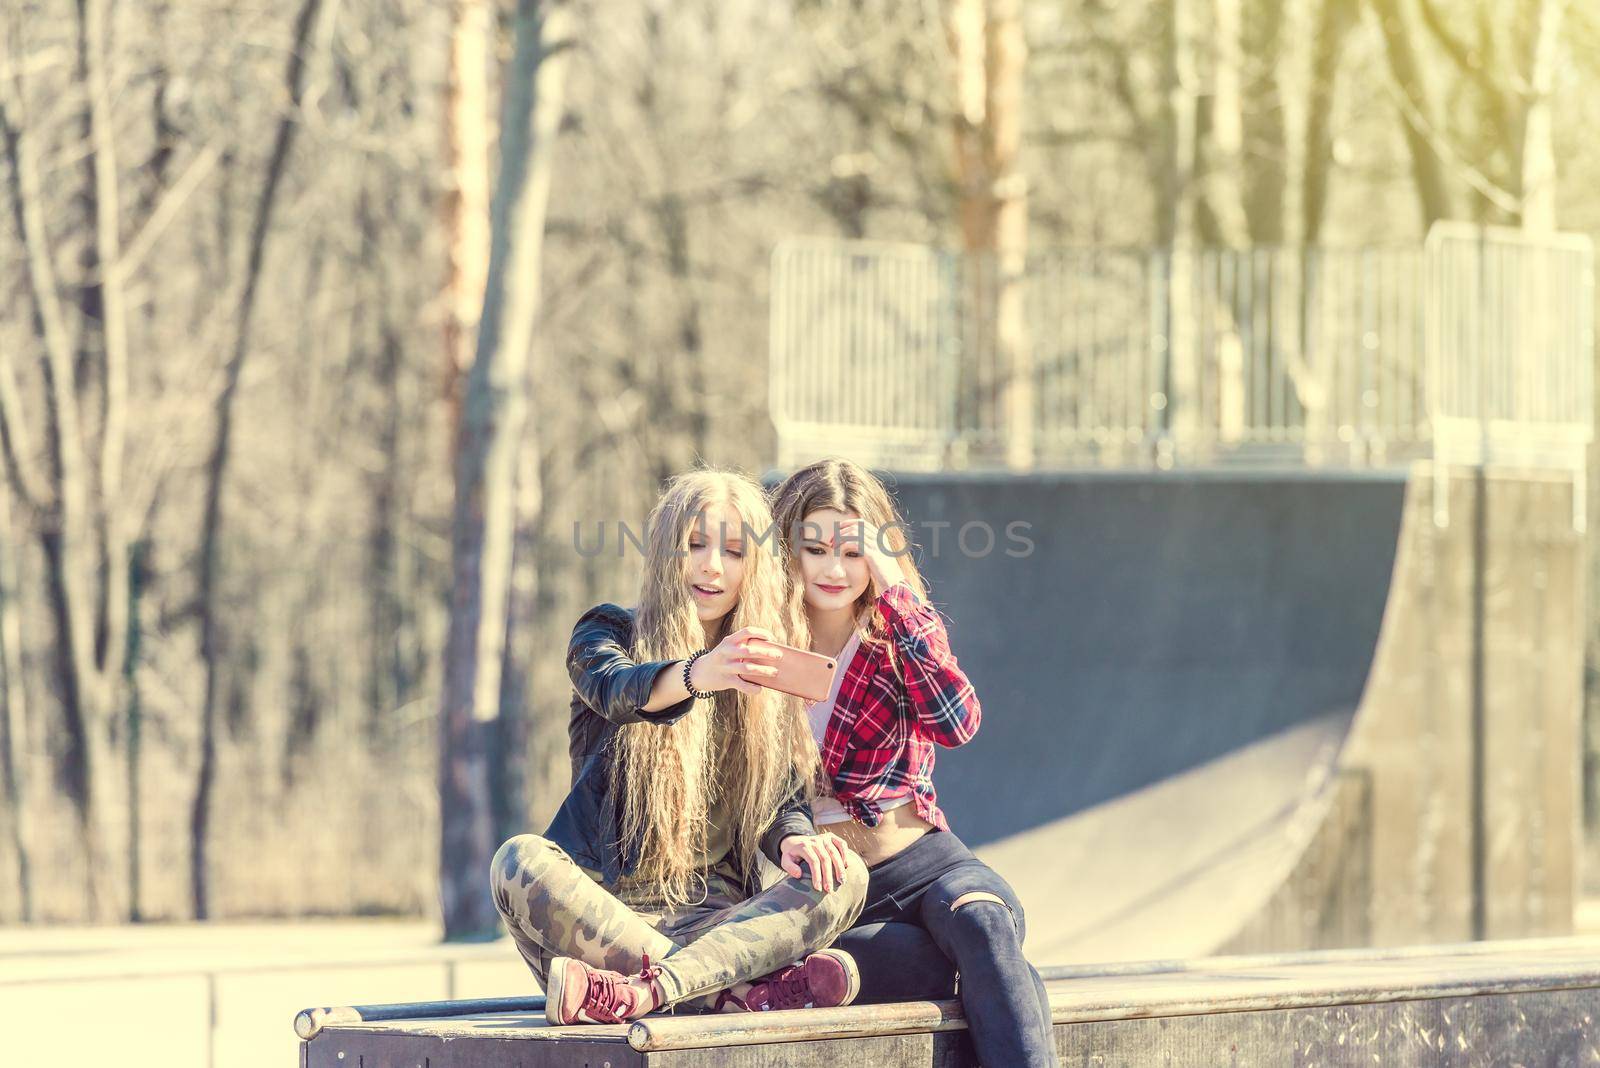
(704, 695)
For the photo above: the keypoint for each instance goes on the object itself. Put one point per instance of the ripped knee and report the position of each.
(973, 897)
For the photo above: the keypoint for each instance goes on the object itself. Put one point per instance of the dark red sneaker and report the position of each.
(824, 980)
(575, 993)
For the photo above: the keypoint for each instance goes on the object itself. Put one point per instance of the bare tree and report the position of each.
(74, 504)
(1266, 90)
(1536, 171)
(1334, 21)
(14, 747)
(212, 638)
(1221, 169)
(466, 209)
(1414, 98)
(988, 56)
(491, 434)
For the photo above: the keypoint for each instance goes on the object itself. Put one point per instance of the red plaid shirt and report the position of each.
(879, 743)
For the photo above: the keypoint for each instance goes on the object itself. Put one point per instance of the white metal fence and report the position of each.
(1478, 345)
(1511, 351)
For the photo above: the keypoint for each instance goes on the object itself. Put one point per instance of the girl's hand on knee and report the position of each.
(825, 853)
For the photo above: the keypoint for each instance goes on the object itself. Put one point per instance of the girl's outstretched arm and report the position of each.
(622, 690)
(610, 682)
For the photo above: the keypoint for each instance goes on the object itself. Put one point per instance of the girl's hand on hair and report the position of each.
(825, 853)
(746, 651)
(881, 562)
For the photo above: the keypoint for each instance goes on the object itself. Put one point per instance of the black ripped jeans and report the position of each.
(1007, 1009)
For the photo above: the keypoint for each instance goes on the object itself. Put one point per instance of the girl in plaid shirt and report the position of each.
(898, 692)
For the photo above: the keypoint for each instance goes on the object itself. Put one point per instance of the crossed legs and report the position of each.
(554, 909)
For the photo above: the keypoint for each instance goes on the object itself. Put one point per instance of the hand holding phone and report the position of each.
(799, 672)
(730, 665)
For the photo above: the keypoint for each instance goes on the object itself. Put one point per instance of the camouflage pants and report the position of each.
(553, 908)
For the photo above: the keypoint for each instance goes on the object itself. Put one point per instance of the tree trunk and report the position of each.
(491, 432)
(61, 506)
(1175, 214)
(1219, 139)
(468, 151)
(113, 627)
(14, 747)
(1537, 177)
(683, 380)
(512, 757)
(137, 571)
(386, 607)
(1419, 117)
(111, 624)
(1006, 49)
(1334, 21)
(1265, 138)
(68, 559)
(990, 56)
(212, 649)
(466, 206)
(1335, 18)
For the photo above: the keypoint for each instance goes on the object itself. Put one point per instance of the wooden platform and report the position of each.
(1531, 1002)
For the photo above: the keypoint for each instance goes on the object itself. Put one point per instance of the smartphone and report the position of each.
(801, 673)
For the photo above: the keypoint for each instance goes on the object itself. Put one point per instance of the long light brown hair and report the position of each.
(844, 486)
(668, 775)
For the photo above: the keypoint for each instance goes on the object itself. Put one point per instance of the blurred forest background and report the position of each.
(244, 248)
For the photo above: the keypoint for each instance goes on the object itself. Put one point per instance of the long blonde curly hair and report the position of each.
(668, 776)
(844, 486)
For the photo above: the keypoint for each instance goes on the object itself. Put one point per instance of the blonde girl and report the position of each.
(644, 892)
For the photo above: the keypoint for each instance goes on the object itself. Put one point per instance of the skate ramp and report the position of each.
(1235, 711)
(1178, 864)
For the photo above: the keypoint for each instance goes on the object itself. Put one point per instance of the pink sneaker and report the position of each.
(824, 980)
(575, 993)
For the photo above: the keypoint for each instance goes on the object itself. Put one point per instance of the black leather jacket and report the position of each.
(608, 690)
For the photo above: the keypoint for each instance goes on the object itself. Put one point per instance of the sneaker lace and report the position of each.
(602, 999)
(790, 990)
(604, 996)
(648, 971)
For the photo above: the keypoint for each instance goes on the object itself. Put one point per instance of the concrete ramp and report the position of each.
(1266, 710)
(1181, 860)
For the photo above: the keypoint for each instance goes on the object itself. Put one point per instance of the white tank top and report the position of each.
(827, 809)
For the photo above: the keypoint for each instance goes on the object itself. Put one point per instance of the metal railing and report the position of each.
(1476, 346)
(865, 343)
(1511, 352)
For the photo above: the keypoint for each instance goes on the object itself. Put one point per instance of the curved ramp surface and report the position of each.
(1235, 709)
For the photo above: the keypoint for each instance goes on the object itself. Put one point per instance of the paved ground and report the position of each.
(191, 996)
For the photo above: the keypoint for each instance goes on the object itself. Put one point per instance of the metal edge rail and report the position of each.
(902, 1017)
(308, 1023)
(1190, 991)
